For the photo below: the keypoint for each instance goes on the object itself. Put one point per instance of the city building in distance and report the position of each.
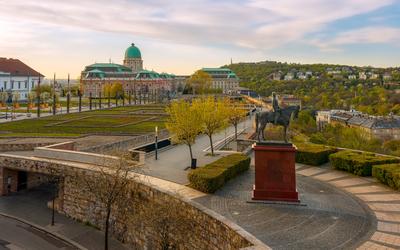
(381, 127)
(17, 78)
(223, 78)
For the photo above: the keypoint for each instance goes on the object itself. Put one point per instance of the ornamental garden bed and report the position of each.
(213, 176)
(359, 163)
(313, 154)
(388, 174)
(114, 121)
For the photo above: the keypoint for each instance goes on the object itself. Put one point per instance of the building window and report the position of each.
(33, 84)
(12, 85)
(26, 85)
(19, 85)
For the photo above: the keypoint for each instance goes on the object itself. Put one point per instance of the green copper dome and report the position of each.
(133, 52)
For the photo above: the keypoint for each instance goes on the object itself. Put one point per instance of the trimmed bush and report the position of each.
(213, 176)
(388, 174)
(313, 154)
(359, 163)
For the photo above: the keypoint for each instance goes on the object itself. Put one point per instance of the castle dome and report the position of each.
(132, 52)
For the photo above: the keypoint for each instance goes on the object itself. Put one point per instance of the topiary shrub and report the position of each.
(213, 176)
(359, 163)
(388, 174)
(313, 154)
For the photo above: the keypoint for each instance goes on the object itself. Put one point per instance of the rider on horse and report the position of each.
(276, 108)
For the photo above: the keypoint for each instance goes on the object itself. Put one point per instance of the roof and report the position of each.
(166, 75)
(107, 67)
(95, 71)
(341, 116)
(374, 122)
(133, 52)
(224, 70)
(232, 75)
(147, 74)
(17, 68)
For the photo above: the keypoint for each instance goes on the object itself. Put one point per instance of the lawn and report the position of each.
(120, 120)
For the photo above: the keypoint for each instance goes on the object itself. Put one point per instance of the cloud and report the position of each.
(258, 24)
(366, 35)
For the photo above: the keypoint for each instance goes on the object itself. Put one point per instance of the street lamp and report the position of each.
(156, 144)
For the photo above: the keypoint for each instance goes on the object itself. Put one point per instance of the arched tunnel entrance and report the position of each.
(12, 180)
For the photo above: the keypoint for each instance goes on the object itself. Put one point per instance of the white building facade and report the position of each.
(224, 79)
(17, 78)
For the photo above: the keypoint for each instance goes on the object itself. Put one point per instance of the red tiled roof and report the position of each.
(17, 68)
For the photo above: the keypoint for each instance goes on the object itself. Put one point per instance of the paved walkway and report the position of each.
(381, 200)
(173, 161)
(31, 206)
(331, 219)
(342, 211)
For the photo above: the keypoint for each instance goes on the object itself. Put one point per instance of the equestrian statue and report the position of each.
(278, 116)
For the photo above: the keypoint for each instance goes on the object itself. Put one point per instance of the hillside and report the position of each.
(326, 86)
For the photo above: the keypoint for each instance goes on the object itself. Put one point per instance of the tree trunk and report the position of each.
(191, 153)
(235, 125)
(211, 143)
(106, 228)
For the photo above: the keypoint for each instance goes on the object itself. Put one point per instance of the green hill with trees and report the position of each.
(328, 86)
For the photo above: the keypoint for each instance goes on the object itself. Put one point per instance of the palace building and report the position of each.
(134, 79)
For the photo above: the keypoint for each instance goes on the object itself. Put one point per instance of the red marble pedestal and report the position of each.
(275, 172)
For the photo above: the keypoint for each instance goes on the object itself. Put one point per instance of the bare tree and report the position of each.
(161, 217)
(109, 185)
(55, 177)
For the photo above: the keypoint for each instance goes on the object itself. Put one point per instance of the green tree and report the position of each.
(43, 88)
(200, 82)
(235, 114)
(212, 116)
(117, 90)
(183, 123)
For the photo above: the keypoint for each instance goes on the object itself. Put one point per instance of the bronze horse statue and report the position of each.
(285, 115)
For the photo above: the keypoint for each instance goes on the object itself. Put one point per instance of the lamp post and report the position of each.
(68, 96)
(54, 95)
(38, 98)
(156, 144)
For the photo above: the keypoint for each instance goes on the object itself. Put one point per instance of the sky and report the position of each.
(181, 36)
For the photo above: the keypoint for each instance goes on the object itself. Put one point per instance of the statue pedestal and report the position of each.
(275, 178)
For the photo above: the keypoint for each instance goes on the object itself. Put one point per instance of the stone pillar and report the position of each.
(275, 178)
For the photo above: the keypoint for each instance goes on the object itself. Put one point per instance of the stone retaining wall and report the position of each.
(208, 232)
(21, 146)
(127, 144)
(75, 156)
(211, 231)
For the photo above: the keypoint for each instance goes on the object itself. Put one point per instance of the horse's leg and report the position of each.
(262, 131)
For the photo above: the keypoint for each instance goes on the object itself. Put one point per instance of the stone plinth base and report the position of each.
(275, 178)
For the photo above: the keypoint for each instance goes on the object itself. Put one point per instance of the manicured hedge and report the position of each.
(213, 176)
(359, 163)
(313, 154)
(388, 174)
